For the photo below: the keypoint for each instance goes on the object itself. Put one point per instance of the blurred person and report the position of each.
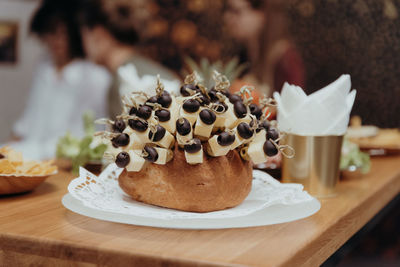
(64, 86)
(260, 26)
(110, 34)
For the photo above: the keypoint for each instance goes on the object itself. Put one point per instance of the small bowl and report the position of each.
(13, 184)
(94, 167)
(352, 172)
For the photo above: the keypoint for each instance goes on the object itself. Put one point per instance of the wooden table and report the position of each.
(36, 228)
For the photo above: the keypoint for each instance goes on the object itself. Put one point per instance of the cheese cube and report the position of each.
(191, 117)
(202, 130)
(220, 121)
(174, 103)
(170, 125)
(136, 162)
(255, 150)
(214, 149)
(232, 123)
(221, 117)
(137, 139)
(239, 140)
(230, 116)
(128, 130)
(181, 139)
(167, 141)
(194, 158)
(143, 136)
(113, 151)
(164, 155)
(260, 136)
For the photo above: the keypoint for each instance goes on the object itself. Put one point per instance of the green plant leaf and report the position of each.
(232, 69)
(79, 151)
(88, 122)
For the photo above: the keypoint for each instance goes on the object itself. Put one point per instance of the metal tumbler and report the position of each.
(315, 164)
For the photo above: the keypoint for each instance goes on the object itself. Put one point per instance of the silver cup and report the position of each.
(315, 164)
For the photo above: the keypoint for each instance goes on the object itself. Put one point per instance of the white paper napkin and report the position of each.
(325, 112)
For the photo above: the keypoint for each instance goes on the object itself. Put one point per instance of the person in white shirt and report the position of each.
(110, 35)
(65, 85)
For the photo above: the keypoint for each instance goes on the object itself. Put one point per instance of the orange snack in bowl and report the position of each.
(12, 163)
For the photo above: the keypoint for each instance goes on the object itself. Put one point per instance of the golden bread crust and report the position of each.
(216, 184)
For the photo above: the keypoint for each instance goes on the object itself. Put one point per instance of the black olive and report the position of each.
(185, 92)
(2, 156)
(160, 133)
(258, 129)
(183, 126)
(213, 95)
(163, 115)
(226, 93)
(138, 125)
(144, 112)
(269, 149)
(221, 109)
(191, 105)
(234, 98)
(193, 148)
(232, 138)
(120, 140)
(152, 154)
(240, 109)
(122, 159)
(244, 130)
(272, 133)
(204, 100)
(119, 126)
(255, 110)
(152, 99)
(265, 125)
(207, 116)
(164, 100)
(225, 139)
(133, 111)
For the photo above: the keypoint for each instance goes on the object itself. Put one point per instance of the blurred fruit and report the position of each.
(238, 84)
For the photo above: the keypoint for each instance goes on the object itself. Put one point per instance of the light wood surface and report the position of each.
(36, 229)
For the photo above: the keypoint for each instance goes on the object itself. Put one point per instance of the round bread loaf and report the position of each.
(216, 184)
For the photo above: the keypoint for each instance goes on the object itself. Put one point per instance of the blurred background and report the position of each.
(307, 42)
(77, 47)
(19, 53)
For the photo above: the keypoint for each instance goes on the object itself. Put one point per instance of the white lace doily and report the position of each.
(103, 193)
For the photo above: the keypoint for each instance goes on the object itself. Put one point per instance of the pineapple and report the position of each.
(232, 69)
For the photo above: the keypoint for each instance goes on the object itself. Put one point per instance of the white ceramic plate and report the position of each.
(270, 215)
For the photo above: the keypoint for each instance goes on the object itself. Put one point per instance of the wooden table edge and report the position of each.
(314, 252)
(312, 255)
(61, 249)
